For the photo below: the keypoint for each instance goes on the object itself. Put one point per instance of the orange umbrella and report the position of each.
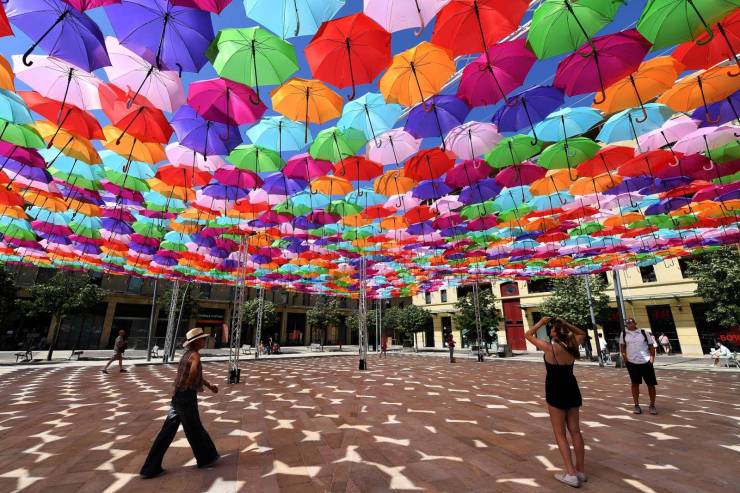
(74, 147)
(308, 101)
(416, 74)
(356, 220)
(6, 75)
(394, 222)
(146, 152)
(595, 184)
(651, 79)
(13, 211)
(185, 228)
(541, 224)
(50, 202)
(700, 89)
(181, 193)
(84, 208)
(393, 183)
(623, 219)
(331, 185)
(554, 181)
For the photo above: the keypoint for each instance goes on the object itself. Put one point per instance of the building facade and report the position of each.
(661, 299)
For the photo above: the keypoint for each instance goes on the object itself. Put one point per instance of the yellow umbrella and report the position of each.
(394, 222)
(181, 193)
(52, 203)
(700, 89)
(146, 152)
(74, 147)
(393, 183)
(309, 101)
(13, 211)
(185, 228)
(416, 74)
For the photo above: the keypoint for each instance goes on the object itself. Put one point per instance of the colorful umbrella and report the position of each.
(309, 101)
(709, 49)
(442, 114)
(472, 139)
(396, 15)
(528, 108)
(205, 136)
(370, 114)
(290, 18)
(225, 101)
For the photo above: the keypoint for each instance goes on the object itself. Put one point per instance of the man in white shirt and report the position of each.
(719, 351)
(638, 351)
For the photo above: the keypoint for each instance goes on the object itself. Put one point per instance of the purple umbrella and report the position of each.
(305, 167)
(169, 37)
(593, 67)
(203, 136)
(60, 30)
(520, 174)
(223, 192)
(431, 189)
(631, 185)
(725, 111)
(665, 184)
(117, 226)
(479, 192)
(528, 108)
(229, 175)
(441, 115)
(667, 205)
(279, 184)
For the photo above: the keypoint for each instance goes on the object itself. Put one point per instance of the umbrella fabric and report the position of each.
(309, 101)
(290, 18)
(333, 144)
(471, 26)
(395, 146)
(428, 164)
(357, 168)
(612, 57)
(700, 89)
(472, 139)
(61, 31)
(668, 133)
(566, 123)
(168, 36)
(255, 158)
(304, 167)
(467, 173)
(56, 79)
(73, 119)
(708, 49)
(519, 175)
(134, 114)
(225, 101)
(215, 6)
(349, 51)
(560, 26)
(205, 136)
(513, 150)
(720, 112)
(6, 75)
(706, 138)
(631, 123)
(442, 115)
(278, 133)
(396, 15)
(494, 74)
(13, 108)
(370, 114)
(528, 108)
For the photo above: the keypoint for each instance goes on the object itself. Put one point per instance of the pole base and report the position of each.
(235, 375)
(362, 365)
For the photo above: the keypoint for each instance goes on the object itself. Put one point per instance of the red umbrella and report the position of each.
(706, 51)
(225, 101)
(607, 159)
(648, 163)
(594, 67)
(520, 174)
(5, 29)
(419, 214)
(358, 168)
(134, 114)
(67, 116)
(471, 26)
(428, 164)
(348, 51)
(178, 176)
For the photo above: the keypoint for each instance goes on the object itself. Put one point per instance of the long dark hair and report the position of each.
(565, 337)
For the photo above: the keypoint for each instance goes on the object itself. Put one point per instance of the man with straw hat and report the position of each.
(188, 382)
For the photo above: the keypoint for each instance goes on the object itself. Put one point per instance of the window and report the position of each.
(428, 298)
(683, 264)
(135, 284)
(647, 273)
(44, 275)
(443, 295)
(205, 290)
(604, 277)
(539, 285)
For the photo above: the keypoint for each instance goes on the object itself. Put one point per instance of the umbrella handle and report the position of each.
(644, 116)
(422, 25)
(28, 52)
(704, 22)
(710, 119)
(179, 70)
(351, 72)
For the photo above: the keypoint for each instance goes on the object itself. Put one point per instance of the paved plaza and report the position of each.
(409, 423)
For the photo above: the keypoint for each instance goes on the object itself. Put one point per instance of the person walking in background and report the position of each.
(119, 347)
(638, 351)
(268, 348)
(562, 394)
(188, 382)
(451, 345)
(665, 343)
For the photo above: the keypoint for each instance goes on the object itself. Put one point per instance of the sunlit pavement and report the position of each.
(409, 423)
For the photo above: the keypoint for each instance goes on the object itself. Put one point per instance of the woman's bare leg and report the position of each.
(574, 428)
(557, 419)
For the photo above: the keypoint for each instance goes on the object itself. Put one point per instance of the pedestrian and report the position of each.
(184, 409)
(268, 348)
(665, 343)
(119, 347)
(451, 345)
(383, 347)
(638, 351)
(719, 351)
(562, 394)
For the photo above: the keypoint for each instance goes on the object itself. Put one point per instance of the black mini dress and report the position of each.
(561, 386)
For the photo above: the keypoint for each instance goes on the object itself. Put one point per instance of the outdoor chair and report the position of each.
(316, 347)
(730, 360)
(75, 354)
(246, 349)
(154, 353)
(27, 355)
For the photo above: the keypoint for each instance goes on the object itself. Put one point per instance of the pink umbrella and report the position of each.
(56, 79)
(612, 57)
(396, 146)
(520, 174)
(163, 88)
(446, 204)
(229, 175)
(215, 6)
(405, 202)
(482, 223)
(494, 74)
(225, 101)
(180, 155)
(707, 138)
(467, 173)
(472, 139)
(668, 133)
(395, 15)
(305, 167)
(83, 5)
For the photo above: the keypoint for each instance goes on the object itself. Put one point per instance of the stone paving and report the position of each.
(409, 423)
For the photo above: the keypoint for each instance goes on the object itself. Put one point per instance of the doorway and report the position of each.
(513, 318)
(661, 321)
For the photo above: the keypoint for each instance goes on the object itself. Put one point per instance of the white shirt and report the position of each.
(638, 351)
(721, 351)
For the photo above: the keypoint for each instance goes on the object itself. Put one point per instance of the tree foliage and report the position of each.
(323, 315)
(414, 318)
(189, 305)
(8, 290)
(65, 293)
(490, 316)
(569, 300)
(250, 311)
(717, 275)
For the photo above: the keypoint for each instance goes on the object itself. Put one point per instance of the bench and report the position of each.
(27, 355)
(154, 352)
(75, 354)
(246, 349)
(316, 347)
(729, 361)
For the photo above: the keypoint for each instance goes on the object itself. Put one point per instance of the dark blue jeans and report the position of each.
(184, 410)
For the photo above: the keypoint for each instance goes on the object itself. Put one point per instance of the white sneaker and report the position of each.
(569, 479)
(582, 477)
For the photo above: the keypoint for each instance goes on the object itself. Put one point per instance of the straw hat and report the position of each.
(193, 335)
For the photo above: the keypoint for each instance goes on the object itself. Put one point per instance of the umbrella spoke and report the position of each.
(28, 52)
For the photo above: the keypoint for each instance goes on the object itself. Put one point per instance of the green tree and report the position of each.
(250, 311)
(189, 304)
(414, 319)
(569, 300)
(392, 321)
(64, 294)
(717, 275)
(324, 315)
(8, 291)
(490, 316)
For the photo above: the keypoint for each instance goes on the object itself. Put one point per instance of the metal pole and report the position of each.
(258, 330)
(171, 321)
(478, 328)
(620, 297)
(362, 317)
(235, 333)
(587, 280)
(179, 319)
(152, 321)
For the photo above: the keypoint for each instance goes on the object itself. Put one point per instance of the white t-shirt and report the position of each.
(638, 351)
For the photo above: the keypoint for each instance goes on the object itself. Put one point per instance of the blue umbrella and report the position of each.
(13, 108)
(566, 123)
(528, 108)
(631, 123)
(290, 18)
(370, 114)
(279, 134)
(512, 198)
(552, 201)
(442, 114)
(365, 197)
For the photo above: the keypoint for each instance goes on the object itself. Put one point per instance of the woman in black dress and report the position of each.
(562, 393)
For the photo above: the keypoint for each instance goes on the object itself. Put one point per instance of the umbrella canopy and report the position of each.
(369, 114)
(290, 18)
(442, 115)
(225, 101)
(472, 139)
(397, 15)
(205, 136)
(309, 101)
(712, 47)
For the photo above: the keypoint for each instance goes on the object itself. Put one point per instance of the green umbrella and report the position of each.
(560, 26)
(126, 181)
(20, 135)
(343, 208)
(726, 153)
(478, 210)
(333, 144)
(668, 22)
(518, 213)
(512, 150)
(255, 158)
(586, 229)
(568, 154)
(252, 56)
